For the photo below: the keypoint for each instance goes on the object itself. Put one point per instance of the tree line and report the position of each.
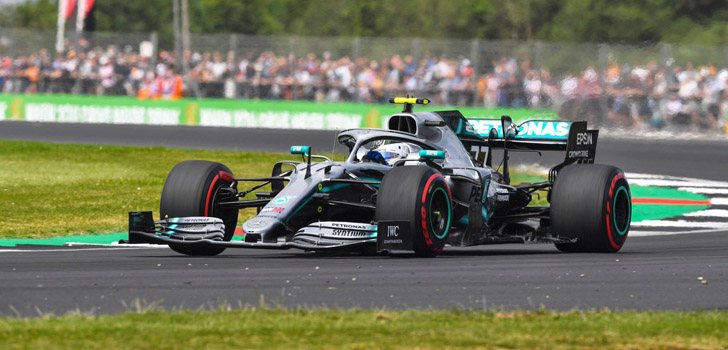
(607, 21)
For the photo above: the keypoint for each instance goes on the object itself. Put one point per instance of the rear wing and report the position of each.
(480, 136)
(579, 142)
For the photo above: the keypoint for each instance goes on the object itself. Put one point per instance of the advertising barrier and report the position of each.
(221, 113)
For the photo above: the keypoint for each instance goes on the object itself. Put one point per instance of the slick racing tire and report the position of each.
(193, 188)
(591, 203)
(420, 196)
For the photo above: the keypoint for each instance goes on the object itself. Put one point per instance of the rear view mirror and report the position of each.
(432, 154)
(302, 150)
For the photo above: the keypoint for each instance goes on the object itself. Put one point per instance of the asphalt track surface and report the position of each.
(650, 273)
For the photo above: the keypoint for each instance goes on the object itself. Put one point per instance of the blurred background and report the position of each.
(636, 65)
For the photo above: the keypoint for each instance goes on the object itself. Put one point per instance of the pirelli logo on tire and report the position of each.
(394, 236)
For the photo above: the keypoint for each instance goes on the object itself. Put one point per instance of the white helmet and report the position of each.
(390, 153)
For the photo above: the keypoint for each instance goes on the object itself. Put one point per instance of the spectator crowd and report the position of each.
(644, 96)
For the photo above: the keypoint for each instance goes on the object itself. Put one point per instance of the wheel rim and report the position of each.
(439, 212)
(217, 197)
(621, 211)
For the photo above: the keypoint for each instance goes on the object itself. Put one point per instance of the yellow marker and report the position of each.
(409, 100)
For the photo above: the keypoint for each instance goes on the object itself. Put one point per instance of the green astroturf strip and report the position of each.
(641, 212)
(62, 240)
(59, 241)
(663, 192)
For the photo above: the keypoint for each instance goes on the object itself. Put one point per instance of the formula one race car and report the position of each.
(426, 182)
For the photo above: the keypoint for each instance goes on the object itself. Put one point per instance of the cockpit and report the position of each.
(387, 152)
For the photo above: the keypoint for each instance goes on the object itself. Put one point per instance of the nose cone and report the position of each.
(266, 228)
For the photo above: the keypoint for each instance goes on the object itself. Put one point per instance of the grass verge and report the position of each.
(358, 329)
(50, 189)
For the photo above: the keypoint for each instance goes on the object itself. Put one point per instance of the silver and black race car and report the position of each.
(425, 182)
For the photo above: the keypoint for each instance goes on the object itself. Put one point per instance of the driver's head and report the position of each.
(389, 154)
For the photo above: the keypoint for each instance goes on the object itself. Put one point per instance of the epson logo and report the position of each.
(392, 231)
(584, 138)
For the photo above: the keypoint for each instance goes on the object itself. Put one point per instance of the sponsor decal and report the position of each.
(528, 130)
(392, 235)
(210, 112)
(348, 225)
(100, 114)
(194, 220)
(584, 138)
(272, 210)
(582, 143)
(195, 223)
(283, 199)
(579, 154)
(349, 233)
(257, 223)
(279, 119)
(392, 231)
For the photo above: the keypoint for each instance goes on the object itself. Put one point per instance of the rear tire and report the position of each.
(419, 195)
(193, 188)
(592, 203)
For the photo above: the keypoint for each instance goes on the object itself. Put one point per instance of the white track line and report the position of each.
(654, 176)
(680, 223)
(675, 183)
(713, 213)
(663, 233)
(631, 176)
(704, 190)
(719, 201)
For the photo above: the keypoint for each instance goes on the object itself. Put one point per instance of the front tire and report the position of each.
(419, 195)
(193, 188)
(591, 203)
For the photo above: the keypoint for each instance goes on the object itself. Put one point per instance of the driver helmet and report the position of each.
(390, 153)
